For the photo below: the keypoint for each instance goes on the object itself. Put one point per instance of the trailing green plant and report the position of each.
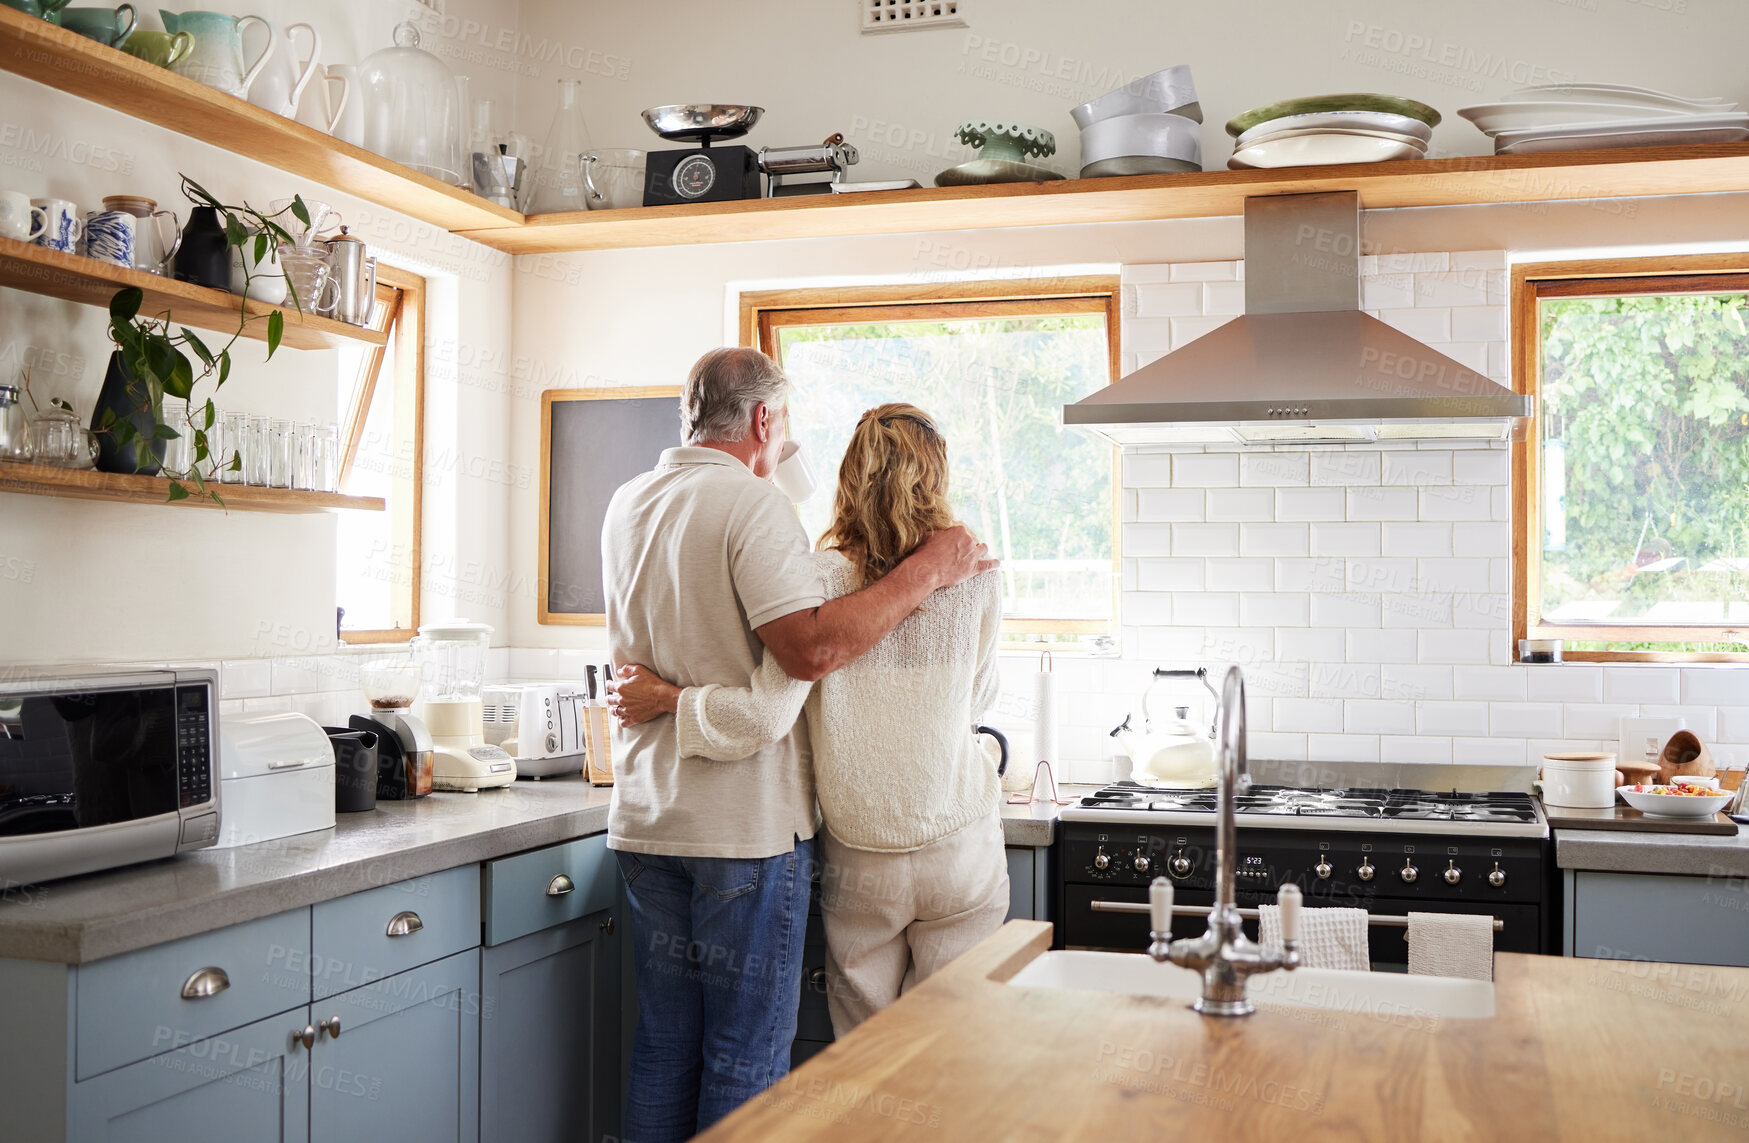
(163, 363)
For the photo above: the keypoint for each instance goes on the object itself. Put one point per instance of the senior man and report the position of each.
(704, 562)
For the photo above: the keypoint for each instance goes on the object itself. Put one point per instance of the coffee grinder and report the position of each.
(702, 173)
(390, 685)
(452, 663)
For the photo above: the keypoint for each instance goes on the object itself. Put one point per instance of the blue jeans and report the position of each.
(718, 947)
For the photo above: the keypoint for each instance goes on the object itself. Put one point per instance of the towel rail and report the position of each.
(1249, 914)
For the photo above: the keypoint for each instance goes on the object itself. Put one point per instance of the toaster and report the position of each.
(550, 728)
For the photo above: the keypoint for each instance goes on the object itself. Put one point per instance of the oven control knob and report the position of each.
(1181, 866)
(1323, 869)
(1408, 873)
(1141, 864)
(1497, 876)
(1366, 870)
(1101, 860)
(1452, 873)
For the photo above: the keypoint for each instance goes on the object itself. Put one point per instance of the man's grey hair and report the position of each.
(723, 389)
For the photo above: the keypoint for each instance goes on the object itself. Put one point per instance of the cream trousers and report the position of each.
(892, 919)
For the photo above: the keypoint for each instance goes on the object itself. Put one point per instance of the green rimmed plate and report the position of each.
(1352, 101)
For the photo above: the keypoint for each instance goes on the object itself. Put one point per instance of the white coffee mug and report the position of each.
(794, 476)
(62, 228)
(17, 220)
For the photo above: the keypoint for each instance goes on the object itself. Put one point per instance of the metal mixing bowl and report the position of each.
(696, 121)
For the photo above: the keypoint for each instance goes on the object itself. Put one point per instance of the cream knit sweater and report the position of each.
(896, 765)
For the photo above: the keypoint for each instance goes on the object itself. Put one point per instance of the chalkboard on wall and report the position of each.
(591, 442)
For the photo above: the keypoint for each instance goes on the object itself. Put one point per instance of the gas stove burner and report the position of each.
(1358, 807)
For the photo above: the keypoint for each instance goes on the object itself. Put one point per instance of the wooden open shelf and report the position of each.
(38, 50)
(88, 484)
(1619, 173)
(76, 278)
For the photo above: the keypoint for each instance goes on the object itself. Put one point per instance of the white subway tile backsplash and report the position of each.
(1425, 609)
(1417, 468)
(1159, 574)
(1187, 329)
(1500, 502)
(1207, 608)
(1443, 718)
(1387, 292)
(1734, 724)
(1716, 685)
(1169, 643)
(1385, 574)
(1274, 609)
(1246, 646)
(1170, 505)
(1147, 607)
(1150, 539)
(1241, 574)
(1414, 683)
(1451, 288)
(1347, 609)
(1292, 504)
(1457, 647)
(1702, 720)
(1227, 299)
(1274, 539)
(1278, 746)
(1478, 259)
(1405, 262)
(1308, 715)
(1204, 271)
(1167, 300)
(1416, 539)
(1243, 504)
(1344, 467)
(1648, 684)
(1481, 609)
(1488, 751)
(1342, 680)
(1481, 466)
(1524, 719)
(1205, 470)
(1310, 645)
(1504, 684)
(1278, 679)
(1458, 502)
(1429, 322)
(1345, 539)
(1474, 539)
(1274, 469)
(1315, 573)
(1342, 747)
(1205, 539)
(1586, 720)
(1564, 682)
(1381, 646)
(1478, 323)
(245, 678)
(1147, 469)
(1473, 355)
(1382, 504)
(1456, 574)
(1378, 716)
(1401, 748)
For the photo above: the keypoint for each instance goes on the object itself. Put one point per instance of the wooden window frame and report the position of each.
(762, 313)
(1532, 282)
(401, 311)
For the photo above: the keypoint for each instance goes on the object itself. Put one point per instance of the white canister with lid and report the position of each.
(1583, 780)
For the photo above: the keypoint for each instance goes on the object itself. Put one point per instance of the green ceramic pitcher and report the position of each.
(110, 26)
(158, 48)
(217, 58)
(49, 10)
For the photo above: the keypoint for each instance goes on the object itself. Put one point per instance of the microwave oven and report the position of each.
(99, 770)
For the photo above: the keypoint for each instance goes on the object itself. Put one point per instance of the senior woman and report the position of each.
(915, 872)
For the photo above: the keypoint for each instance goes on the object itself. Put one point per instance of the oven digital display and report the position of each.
(86, 758)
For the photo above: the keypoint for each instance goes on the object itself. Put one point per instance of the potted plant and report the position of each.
(151, 361)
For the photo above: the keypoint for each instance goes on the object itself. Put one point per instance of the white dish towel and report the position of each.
(1451, 944)
(1329, 938)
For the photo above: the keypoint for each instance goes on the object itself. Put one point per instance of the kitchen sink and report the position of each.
(1410, 1000)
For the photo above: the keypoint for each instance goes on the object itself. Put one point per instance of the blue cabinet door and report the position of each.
(249, 1083)
(549, 1034)
(405, 1063)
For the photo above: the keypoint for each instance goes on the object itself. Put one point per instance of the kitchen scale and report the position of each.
(703, 173)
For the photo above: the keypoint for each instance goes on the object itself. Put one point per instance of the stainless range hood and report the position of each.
(1304, 365)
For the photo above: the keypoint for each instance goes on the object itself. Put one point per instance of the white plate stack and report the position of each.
(1150, 126)
(1316, 130)
(1584, 116)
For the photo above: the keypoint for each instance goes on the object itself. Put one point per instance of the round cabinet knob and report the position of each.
(1181, 866)
(1100, 860)
(1366, 870)
(305, 1036)
(1141, 864)
(1323, 870)
(1496, 876)
(1452, 873)
(1408, 873)
(331, 1026)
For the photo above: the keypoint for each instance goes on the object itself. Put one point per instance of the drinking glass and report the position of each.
(283, 450)
(179, 450)
(258, 455)
(233, 441)
(304, 456)
(325, 476)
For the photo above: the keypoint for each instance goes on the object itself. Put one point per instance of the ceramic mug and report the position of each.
(109, 237)
(17, 220)
(160, 49)
(794, 476)
(61, 228)
(110, 26)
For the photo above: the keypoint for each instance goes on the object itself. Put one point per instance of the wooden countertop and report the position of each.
(1581, 1050)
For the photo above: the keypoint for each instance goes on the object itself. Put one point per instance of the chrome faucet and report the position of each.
(1223, 954)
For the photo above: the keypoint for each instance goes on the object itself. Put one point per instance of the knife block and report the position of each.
(598, 744)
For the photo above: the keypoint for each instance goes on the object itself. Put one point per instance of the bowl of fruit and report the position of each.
(1694, 798)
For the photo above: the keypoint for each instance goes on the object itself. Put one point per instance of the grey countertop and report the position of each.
(87, 918)
(1625, 851)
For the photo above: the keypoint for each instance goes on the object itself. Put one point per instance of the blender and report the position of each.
(391, 684)
(452, 664)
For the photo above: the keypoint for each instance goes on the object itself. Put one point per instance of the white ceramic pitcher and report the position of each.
(347, 123)
(283, 77)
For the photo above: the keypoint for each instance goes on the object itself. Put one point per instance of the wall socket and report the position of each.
(1643, 739)
(909, 15)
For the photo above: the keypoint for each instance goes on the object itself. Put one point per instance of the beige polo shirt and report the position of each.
(696, 554)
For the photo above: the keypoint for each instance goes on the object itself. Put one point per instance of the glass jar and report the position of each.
(14, 432)
(558, 177)
(412, 107)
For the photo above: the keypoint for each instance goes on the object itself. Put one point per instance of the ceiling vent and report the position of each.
(909, 15)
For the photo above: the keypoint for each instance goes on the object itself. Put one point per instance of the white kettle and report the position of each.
(1179, 754)
(283, 77)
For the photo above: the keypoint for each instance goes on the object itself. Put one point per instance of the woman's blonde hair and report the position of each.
(892, 490)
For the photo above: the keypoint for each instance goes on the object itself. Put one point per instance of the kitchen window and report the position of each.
(381, 419)
(993, 363)
(1633, 485)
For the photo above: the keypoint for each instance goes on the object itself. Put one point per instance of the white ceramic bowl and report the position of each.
(1158, 134)
(1170, 89)
(1674, 805)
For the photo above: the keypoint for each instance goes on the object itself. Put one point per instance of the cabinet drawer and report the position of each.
(377, 933)
(165, 997)
(534, 891)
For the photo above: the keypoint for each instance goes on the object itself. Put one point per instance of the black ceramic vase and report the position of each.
(204, 257)
(129, 400)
